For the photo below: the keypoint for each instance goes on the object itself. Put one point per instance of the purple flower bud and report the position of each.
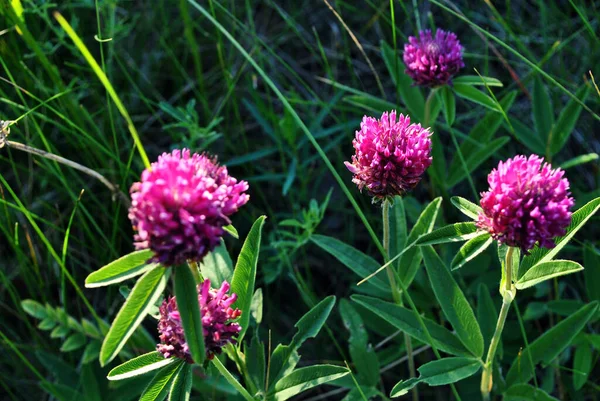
(433, 61)
(527, 202)
(181, 205)
(391, 156)
(217, 325)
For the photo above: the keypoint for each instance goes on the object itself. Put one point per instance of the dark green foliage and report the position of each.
(184, 84)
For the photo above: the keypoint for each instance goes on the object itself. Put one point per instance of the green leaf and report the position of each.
(161, 383)
(57, 367)
(594, 340)
(255, 362)
(456, 232)
(582, 365)
(449, 104)
(140, 365)
(549, 345)
(144, 295)
(217, 266)
(406, 320)
(455, 306)
(474, 160)
(244, 275)
(73, 342)
(126, 267)
(439, 373)
(477, 80)
(543, 112)
(90, 384)
(91, 352)
(231, 230)
(182, 384)
(90, 328)
(541, 255)
(470, 250)
(448, 370)
(475, 95)
(47, 324)
(303, 379)
(60, 331)
(485, 129)
(582, 159)
(34, 308)
(591, 260)
(308, 326)
(466, 207)
(528, 137)
(411, 259)
(256, 307)
(362, 353)
(411, 94)
(547, 270)
(186, 294)
(61, 392)
(567, 119)
(525, 392)
(361, 264)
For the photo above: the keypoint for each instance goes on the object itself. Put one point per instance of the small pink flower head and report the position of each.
(181, 205)
(217, 325)
(527, 202)
(390, 156)
(433, 61)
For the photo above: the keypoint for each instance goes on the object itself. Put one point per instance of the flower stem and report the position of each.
(195, 269)
(507, 298)
(385, 214)
(229, 377)
(395, 292)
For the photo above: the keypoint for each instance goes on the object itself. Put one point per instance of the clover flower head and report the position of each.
(217, 326)
(390, 155)
(528, 202)
(433, 61)
(181, 204)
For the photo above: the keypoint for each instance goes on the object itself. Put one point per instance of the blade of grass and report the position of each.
(104, 79)
(519, 55)
(55, 256)
(296, 118)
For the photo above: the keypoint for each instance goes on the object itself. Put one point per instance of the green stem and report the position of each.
(195, 269)
(395, 292)
(287, 105)
(233, 353)
(385, 214)
(229, 377)
(507, 298)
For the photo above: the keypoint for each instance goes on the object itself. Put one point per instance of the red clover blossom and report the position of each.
(181, 204)
(217, 325)
(527, 202)
(433, 61)
(390, 156)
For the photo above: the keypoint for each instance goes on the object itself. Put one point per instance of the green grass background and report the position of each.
(184, 84)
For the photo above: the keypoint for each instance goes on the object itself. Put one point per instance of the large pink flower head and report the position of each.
(181, 205)
(390, 156)
(527, 202)
(217, 325)
(433, 61)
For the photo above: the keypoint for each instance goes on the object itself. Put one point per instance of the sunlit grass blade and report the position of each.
(519, 55)
(296, 118)
(104, 79)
